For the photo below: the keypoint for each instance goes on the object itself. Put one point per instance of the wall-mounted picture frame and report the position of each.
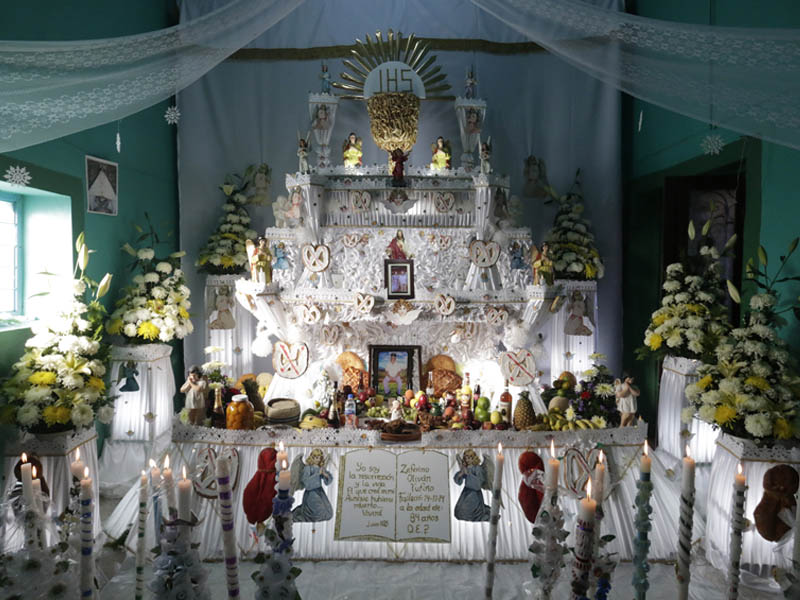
(394, 369)
(102, 186)
(398, 278)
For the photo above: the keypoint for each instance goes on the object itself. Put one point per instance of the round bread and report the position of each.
(264, 379)
(350, 359)
(443, 362)
(282, 411)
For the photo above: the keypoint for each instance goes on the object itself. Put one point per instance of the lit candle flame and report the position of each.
(166, 462)
(280, 446)
(143, 473)
(500, 449)
(284, 465)
(688, 453)
(86, 472)
(184, 472)
(24, 457)
(33, 472)
(738, 468)
(77, 454)
(645, 447)
(153, 464)
(600, 458)
(552, 449)
(589, 489)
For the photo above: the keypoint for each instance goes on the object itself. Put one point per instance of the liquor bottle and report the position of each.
(475, 395)
(466, 391)
(505, 404)
(350, 418)
(333, 411)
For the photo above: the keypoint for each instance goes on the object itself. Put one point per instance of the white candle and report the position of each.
(155, 473)
(77, 466)
(185, 498)
(140, 540)
(223, 468)
(155, 481)
(36, 485)
(282, 456)
(169, 486)
(494, 518)
(737, 525)
(284, 477)
(646, 463)
(588, 505)
(551, 479)
(599, 477)
(584, 543)
(27, 480)
(87, 538)
(685, 523)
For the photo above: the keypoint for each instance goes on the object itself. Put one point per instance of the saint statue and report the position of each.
(441, 154)
(351, 151)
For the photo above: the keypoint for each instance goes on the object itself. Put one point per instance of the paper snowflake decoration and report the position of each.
(712, 144)
(17, 176)
(172, 115)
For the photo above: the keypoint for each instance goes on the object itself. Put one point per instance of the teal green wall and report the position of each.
(669, 144)
(147, 163)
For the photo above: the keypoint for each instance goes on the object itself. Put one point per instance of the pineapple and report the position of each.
(523, 412)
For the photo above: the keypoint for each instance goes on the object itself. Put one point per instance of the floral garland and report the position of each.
(224, 252)
(692, 317)
(571, 241)
(751, 390)
(57, 384)
(155, 308)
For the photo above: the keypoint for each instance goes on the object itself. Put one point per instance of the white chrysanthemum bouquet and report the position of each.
(224, 252)
(155, 308)
(751, 390)
(571, 241)
(57, 384)
(692, 316)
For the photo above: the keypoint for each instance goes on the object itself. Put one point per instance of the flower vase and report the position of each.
(759, 556)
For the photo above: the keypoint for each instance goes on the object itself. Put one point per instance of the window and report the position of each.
(9, 255)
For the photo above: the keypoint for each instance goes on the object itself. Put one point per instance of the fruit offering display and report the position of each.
(240, 414)
(586, 404)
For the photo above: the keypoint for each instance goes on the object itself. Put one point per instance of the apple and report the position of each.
(449, 412)
(483, 402)
(481, 414)
(409, 394)
(496, 417)
(371, 391)
(488, 425)
(501, 426)
(362, 396)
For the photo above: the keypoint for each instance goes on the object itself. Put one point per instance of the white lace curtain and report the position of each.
(743, 79)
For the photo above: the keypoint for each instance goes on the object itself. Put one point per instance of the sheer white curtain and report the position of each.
(743, 79)
(51, 89)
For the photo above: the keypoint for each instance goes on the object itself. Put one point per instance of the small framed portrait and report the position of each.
(102, 186)
(394, 369)
(399, 278)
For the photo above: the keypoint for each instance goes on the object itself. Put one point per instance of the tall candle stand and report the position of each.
(737, 526)
(642, 542)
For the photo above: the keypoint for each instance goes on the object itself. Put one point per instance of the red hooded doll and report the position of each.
(258, 495)
(530, 498)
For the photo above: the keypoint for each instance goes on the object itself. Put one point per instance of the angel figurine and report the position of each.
(398, 158)
(515, 252)
(311, 476)
(351, 151)
(281, 259)
(224, 305)
(128, 372)
(325, 77)
(486, 156)
(303, 148)
(627, 405)
(475, 476)
(577, 308)
(441, 154)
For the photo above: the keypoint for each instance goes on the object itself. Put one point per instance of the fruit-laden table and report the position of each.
(468, 540)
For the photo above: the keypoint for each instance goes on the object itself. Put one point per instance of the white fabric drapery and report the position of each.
(236, 343)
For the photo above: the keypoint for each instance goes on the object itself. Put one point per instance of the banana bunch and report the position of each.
(556, 421)
(258, 419)
(313, 422)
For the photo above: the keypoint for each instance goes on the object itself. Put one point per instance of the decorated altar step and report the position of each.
(468, 539)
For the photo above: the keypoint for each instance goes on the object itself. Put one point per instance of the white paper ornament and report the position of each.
(290, 360)
(519, 367)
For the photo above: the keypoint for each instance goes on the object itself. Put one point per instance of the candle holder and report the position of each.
(582, 565)
(549, 546)
(177, 568)
(276, 577)
(642, 542)
(685, 523)
(737, 526)
(603, 563)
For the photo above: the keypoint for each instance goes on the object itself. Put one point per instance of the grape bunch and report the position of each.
(381, 412)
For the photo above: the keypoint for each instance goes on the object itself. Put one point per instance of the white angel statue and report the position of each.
(303, 148)
(311, 476)
(579, 306)
(475, 476)
(486, 155)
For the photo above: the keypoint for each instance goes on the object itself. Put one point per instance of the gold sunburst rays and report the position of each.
(371, 53)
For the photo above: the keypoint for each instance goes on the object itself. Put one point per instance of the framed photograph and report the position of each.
(394, 369)
(398, 278)
(102, 186)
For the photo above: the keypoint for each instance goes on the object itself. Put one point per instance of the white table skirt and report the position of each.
(758, 555)
(56, 452)
(468, 542)
(676, 375)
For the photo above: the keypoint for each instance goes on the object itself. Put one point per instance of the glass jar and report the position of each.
(240, 413)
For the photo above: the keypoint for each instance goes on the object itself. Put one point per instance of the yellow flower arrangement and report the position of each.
(724, 414)
(114, 326)
(655, 341)
(183, 313)
(705, 382)
(42, 378)
(56, 415)
(148, 331)
(96, 383)
(782, 429)
(758, 382)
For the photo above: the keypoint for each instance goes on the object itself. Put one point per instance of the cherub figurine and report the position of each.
(196, 390)
(398, 159)
(486, 156)
(441, 154)
(541, 264)
(396, 248)
(311, 476)
(470, 84)
(281, 260)
(303, 148)
(325, 83)
(321, 120)
(475, 476)
(626, 394)
(351, 151)
(397, 409)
